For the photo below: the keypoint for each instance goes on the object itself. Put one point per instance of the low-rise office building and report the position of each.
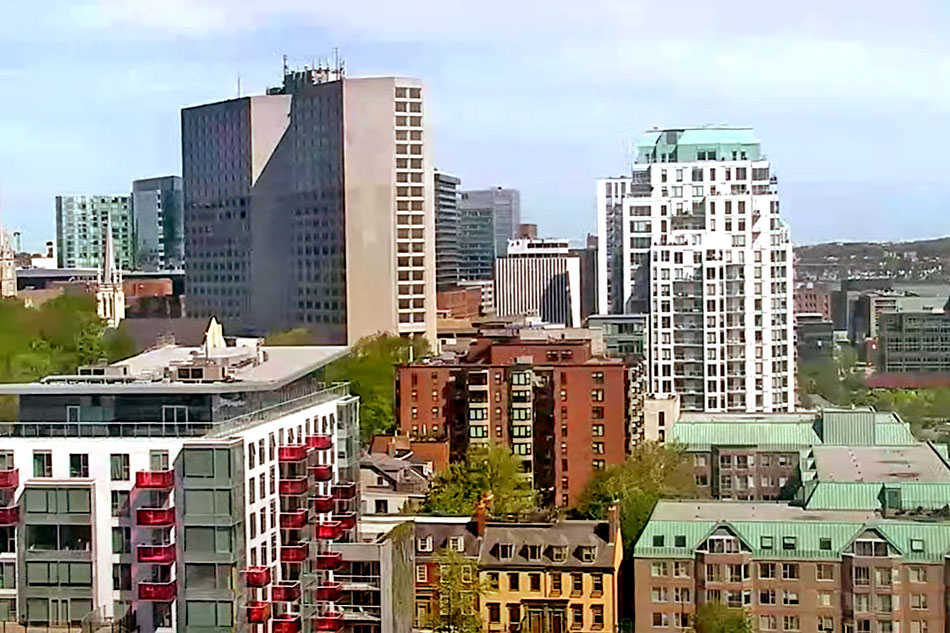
(915, 336)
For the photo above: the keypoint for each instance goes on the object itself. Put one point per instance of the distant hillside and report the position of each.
(919, 260)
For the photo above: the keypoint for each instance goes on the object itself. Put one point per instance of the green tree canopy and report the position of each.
(296, 336)
(494, 470)
(652, 472)
(715, 617)
(458, 591)
(371, 370)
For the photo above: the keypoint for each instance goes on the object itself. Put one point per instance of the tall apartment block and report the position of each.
(81, 224)
(488, 219)
(447, 262)
(157, 206)
(562, 410)
(539, 277)
(312, 206)
(190, 489)
(694, 237)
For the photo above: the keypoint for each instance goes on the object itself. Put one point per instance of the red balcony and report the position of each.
(285, 592)
(296, 486)
(155, 479)
(9, 478)
(330, 621)
(155, 517)
(344, 491)
(330, 560)
(347, 521)
(329, 530)
(257, 576)
(258, 612)
(293, 453)
(159, 591)
(9, 516)
(156, 553)
(330, 592)
(294, 553)
(293, 520)
(320, 442)
(322, 473)
(323, 503)
(286, 624)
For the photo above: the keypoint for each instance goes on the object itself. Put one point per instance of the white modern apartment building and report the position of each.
(694, 238)
(188, 489)
(539, 277)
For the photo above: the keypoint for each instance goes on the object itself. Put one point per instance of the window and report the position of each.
(916, 545)
(824, 598)
(766, 570)
(918, 601)
(119, 467)
(577, 616)
(42, 464)
(824, 544)
(872, 548)
(122, 577)
(422, 574)
(917, 574)
(559, 553)
(597, 616)
(659, 540)
(790, 597)
(885, 602)
(534, 582)
(577, 584)
(790, 571)
(918, 626)
(493, 580)
(514, 581)
(424, 544)
(789, 542)
(766, 542)
(826, 623)
(457, 543)
(882, 576)
(660, 595)
(790, 623)
(862, 576)
(120, 503)
(121, 540)
(767, 596)
(506, 550)
(79, 465)
(661, 620)
(826, 571)
(205, 613)
(681, 570)
(597, 584)
(767, 622)
(587, 553)
(681, 595)
(494, 612)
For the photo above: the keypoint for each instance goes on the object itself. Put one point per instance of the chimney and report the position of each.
(481, 513)
(613, 521)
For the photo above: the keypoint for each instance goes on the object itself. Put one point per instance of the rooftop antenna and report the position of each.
(285, 64)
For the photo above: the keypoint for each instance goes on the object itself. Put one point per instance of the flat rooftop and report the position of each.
(880, 464)
(146, 373)
(692, 510)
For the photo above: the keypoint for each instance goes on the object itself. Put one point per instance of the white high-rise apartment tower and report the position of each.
(694, 237)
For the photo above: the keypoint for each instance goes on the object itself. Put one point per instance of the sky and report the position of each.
(851, 98)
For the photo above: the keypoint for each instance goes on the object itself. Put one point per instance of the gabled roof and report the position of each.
(571, 534)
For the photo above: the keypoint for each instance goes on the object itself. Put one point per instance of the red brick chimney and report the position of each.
(613, 521)
(481, 513)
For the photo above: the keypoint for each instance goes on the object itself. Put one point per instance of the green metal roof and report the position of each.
(718, 136)
(808, 537)
(701, 436)
(844, 496)
(894, 434)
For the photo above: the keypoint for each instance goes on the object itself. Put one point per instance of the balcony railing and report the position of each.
(9, 516)
(296, 486)
(320, 442)
(294, 453)
(258, 612)
(329, 530)
(330, 621)
(322, 473)
(294, 520)
(286, 592)
(156, 553)
(323, 503)
(329, 560)
(294, 553)
(9, 478)
(155, 517)
(286, 624)
(347, 521)
(158, 591)
(344, 491)
(257, 576)
(330, 592)
(155, 479)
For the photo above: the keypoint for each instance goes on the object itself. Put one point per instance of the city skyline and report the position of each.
(547, 121)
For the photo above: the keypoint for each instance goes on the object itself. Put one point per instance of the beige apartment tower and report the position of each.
(312, 206)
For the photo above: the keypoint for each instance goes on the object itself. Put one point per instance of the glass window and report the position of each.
(79, 465)
(119, 467)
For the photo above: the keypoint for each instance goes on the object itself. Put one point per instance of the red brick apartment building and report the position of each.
(561, 410)
(812, 298)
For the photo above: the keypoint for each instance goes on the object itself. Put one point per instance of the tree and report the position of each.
(652, 472)
(458, 591)
(715, 617)
(493, 470)
(370, 369)
(296, 336)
